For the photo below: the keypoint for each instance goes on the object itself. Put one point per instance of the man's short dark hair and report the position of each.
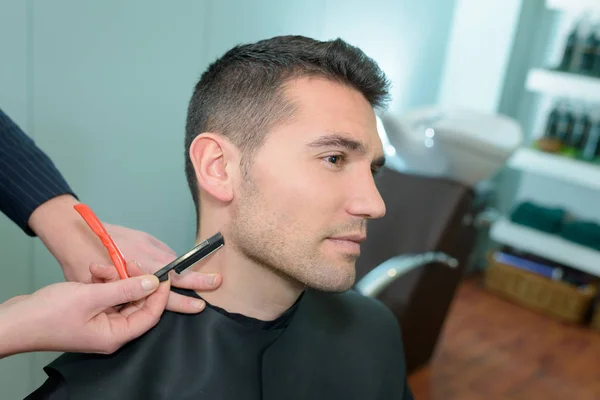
(241, 94)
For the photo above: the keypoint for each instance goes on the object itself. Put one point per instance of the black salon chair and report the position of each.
(414, 258)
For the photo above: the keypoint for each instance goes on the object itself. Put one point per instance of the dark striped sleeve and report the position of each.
(28, 177)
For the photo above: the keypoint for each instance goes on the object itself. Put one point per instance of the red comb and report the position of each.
(113, 250)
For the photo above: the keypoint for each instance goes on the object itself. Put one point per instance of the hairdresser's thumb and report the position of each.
(124, 291)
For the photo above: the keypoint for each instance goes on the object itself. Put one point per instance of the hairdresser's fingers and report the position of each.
(176, 302)
(132, 322)
(156, 299)
(184, 304)
(111, 294)
(108, 273)
(195, 280)
(128, 290)
(134, 268)
(153, 307)
(103, 273)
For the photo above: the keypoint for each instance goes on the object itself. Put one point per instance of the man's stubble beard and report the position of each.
(269, 241)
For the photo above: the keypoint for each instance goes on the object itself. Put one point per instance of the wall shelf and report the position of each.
(556, 166)
(551, 247)
(564, 84)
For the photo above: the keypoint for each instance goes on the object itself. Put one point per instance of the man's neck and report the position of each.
(247, 288)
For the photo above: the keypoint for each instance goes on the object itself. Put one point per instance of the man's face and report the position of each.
(303, 208)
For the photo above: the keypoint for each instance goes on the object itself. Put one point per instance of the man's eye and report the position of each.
(336, 159)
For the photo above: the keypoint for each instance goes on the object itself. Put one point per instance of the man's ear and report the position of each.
(209, 157)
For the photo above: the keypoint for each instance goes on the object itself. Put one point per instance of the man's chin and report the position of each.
(335, 282)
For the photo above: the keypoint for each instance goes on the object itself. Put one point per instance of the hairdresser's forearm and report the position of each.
(14, 331)
(66, 236)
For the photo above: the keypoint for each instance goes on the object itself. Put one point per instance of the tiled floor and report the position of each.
(494, 349)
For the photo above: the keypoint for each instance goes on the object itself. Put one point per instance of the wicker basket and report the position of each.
(556, 298)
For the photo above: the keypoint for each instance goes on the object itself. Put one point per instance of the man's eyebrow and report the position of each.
(339, 140)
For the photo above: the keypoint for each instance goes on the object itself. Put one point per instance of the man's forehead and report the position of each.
(335, 102)
(324, 108)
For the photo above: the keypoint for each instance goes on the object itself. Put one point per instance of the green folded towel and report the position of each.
(537, 217)
(582, 232)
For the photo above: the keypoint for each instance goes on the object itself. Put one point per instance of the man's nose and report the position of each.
(366, 200)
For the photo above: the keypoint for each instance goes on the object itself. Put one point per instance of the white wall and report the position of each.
(479, 52)
(409, 39)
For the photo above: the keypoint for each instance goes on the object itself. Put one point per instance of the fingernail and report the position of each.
(149, 284)
(140, 266)
(99, 266)
(211, 279)
(198, 304)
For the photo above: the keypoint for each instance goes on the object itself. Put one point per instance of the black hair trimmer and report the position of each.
(196, 254)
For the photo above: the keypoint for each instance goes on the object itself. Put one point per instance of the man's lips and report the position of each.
(348, 243)
(356, 238)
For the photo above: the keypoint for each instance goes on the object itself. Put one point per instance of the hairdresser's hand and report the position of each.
(83, 317)
(179, 303)
(152, 254)
(75, 246)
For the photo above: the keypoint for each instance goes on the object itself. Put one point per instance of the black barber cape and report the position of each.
(327, 346)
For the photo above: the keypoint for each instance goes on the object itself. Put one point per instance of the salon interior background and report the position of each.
(102, 86)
